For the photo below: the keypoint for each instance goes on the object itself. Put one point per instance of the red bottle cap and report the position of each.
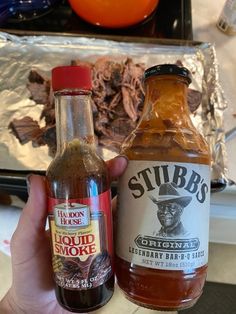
(71, 77)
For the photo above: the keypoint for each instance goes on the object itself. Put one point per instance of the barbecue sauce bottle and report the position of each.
(163, 199)
(79, 202)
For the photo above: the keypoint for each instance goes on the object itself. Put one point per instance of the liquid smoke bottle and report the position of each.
(79, 203)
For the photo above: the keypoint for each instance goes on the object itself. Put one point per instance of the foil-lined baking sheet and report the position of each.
(18, 55)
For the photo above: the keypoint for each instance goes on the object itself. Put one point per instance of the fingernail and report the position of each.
(124, 156)
(28, 177)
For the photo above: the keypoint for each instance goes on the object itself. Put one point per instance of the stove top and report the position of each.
(172, 20)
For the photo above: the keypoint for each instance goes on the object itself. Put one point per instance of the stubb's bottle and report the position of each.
(163, 199)
(78, 199)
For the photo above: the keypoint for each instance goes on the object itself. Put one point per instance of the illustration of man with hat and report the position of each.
(170, 208)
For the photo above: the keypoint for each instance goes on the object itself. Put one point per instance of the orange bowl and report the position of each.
(113, 13)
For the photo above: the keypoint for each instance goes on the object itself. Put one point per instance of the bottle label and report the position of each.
(163, 215)
(81, 236)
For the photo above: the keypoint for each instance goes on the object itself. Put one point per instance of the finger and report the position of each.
(30, 232)
(117, 166)
(34, 213)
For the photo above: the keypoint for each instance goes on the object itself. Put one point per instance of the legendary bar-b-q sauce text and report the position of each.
(79, 201)
(164, 199)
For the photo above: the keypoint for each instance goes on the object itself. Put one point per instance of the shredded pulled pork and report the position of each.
(117, 100)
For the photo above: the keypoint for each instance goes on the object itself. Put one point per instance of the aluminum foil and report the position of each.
(18, 55)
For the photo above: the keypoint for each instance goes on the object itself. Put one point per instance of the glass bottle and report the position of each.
(163, 199)
(79, 201)
(227, 19)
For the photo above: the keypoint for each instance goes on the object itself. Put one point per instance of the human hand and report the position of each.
(32, 289)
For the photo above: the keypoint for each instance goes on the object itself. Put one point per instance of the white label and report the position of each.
(72, 215)
(163, 215)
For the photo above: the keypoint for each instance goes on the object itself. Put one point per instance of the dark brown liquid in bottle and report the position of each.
(79, 173)
(159, 138)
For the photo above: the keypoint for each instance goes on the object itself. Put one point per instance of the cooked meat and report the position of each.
(39, 87)
(80, 62)
(194, 99)
(122, 126)
(132, 88)
(101, 122)
(25, 129)
(117, 102)
(49, 137)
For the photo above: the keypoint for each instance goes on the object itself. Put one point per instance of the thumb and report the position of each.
(36, 205)
(31, 225)
(35, 210)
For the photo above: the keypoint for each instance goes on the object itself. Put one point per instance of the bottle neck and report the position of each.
(165, 103)
(74, 120)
